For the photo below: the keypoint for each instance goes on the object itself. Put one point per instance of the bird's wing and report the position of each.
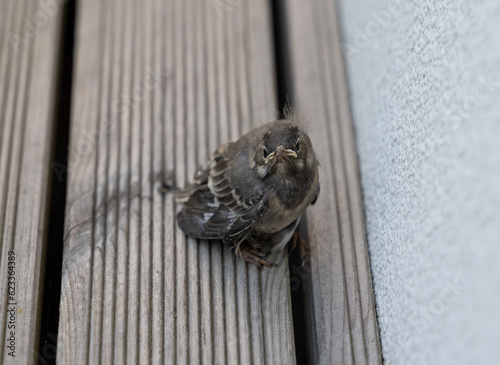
(227, 201)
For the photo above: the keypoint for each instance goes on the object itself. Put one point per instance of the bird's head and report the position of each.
(284, 149)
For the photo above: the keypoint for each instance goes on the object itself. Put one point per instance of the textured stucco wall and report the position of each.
(424, 78)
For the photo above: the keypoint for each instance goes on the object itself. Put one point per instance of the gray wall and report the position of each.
(425, 89)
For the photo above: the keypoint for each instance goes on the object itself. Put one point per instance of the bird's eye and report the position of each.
(264, 152)
(297, 145)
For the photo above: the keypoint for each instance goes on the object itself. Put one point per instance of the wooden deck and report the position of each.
(157, 86)
(340, 309)
(28, 72)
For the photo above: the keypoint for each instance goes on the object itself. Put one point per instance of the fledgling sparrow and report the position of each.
(253, 192)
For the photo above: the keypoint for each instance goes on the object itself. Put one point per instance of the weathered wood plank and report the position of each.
(158, 86)
(29, 54)
(340, 298)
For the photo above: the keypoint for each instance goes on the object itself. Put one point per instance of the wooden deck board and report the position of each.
(158, 86)
(340, 301)
(28, 70)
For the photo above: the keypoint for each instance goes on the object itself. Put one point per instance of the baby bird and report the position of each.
(253, 192)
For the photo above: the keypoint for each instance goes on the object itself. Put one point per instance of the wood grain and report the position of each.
(158, 86)
(340, 305)
(28, 70)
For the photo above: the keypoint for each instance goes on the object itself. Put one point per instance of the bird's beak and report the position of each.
(281, 151)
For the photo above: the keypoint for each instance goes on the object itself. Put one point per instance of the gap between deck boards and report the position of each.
(284, 82)
(49, 320)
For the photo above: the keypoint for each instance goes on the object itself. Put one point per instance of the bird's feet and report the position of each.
(254, 257)
(297, 240)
